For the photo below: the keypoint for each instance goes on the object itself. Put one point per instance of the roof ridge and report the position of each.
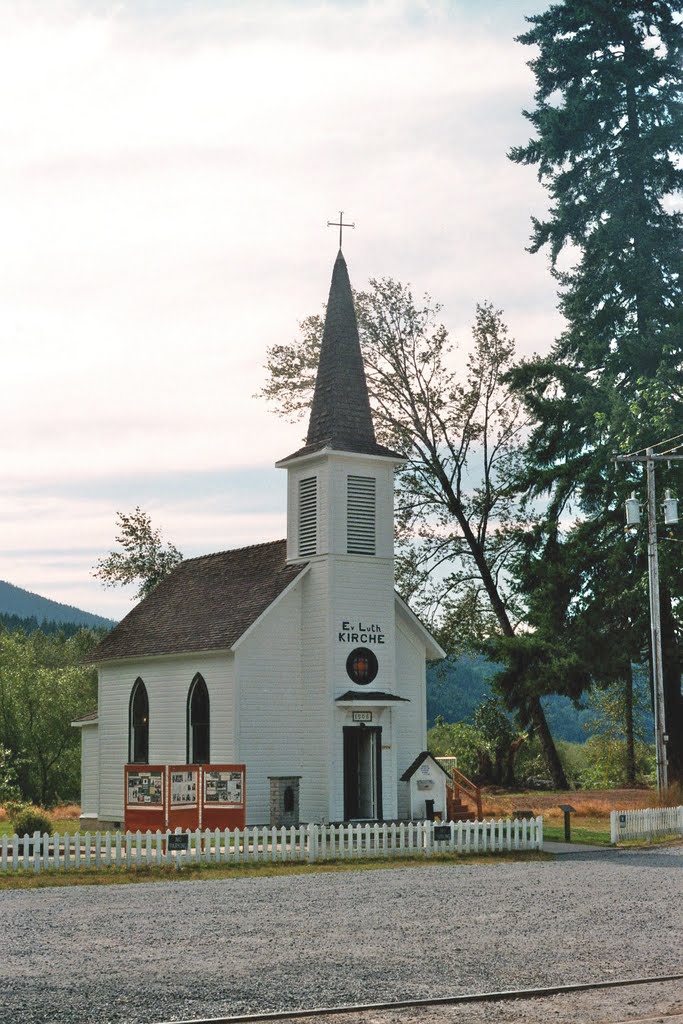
(232, 551)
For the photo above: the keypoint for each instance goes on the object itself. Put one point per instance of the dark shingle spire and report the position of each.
(340, 414)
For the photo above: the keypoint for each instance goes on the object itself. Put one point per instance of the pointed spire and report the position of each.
(340, 414)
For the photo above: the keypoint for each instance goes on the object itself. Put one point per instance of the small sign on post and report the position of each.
(442, 833)
(567, 810)
(178, 841)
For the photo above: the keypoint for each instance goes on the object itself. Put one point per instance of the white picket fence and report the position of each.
(308, 843)
(646, 823)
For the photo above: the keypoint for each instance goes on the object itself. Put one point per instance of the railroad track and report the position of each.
(321, 1012)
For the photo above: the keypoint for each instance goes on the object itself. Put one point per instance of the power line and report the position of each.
(667, 440)
(668, 451)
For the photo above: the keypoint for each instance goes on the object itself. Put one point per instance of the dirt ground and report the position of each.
(589, 803)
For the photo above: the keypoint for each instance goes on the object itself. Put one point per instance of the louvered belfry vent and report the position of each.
(360, 515)
(308, 516)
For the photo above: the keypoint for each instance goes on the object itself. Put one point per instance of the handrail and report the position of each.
(468, 787)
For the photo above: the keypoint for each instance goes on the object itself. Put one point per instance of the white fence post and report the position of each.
(312, 843)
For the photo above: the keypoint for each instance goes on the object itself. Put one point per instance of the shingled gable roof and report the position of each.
(341, 419)
(205, 604)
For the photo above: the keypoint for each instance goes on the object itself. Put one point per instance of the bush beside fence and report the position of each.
(307, 843)
(646, 823)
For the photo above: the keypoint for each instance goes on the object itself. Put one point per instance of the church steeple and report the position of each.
(341, 419)
(340, 414)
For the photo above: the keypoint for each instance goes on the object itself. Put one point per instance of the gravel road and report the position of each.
(176, 950)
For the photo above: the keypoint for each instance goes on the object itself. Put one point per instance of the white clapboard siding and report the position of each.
(283, 699)
(167, 681)
(311, 843)
(646, 823)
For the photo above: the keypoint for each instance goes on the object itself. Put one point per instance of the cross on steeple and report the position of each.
(339, 224)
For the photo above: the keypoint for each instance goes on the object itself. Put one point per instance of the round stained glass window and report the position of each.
(361, 666)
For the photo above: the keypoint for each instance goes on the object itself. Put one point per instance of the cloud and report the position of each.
(166, 174)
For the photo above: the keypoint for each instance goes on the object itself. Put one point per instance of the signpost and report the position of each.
(567, 810)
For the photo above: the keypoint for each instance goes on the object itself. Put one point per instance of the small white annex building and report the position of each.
(296, 657)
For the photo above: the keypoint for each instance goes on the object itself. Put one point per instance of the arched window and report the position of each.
(138, 748)
(198, 750)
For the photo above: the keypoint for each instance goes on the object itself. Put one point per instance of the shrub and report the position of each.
(29, 820)
(459, 739)
(605, 763)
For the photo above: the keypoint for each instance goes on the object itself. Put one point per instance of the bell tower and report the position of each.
(340, 520)
(340, 491)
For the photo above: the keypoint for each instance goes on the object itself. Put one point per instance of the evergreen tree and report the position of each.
(609, 135)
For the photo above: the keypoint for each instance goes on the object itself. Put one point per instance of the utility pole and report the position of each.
(656, 625)
(655, 612)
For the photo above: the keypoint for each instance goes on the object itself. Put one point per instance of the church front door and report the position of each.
(362, 772)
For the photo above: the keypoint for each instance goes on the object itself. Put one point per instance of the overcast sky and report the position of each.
(166, 173)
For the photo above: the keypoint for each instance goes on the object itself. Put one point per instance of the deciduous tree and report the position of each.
(143, 559)
(44, 686)
(460, 431)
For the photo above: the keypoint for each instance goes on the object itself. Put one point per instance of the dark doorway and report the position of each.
(362, 772)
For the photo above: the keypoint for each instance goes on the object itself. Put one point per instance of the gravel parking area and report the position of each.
(176, 950)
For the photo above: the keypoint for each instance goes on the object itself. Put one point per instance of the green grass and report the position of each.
(70, 825)
(194, 872)
(593, 837)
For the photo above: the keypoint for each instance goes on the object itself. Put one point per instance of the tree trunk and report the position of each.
(552, 758)
(630, 764)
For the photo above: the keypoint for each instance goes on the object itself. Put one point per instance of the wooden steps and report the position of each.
(457, 810)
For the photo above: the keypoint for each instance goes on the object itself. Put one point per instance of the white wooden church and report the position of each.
(295, 657)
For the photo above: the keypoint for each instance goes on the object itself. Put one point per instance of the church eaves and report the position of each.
(341, 419)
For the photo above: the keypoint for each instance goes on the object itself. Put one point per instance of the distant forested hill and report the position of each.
(456, 688)
(49, 626)
(17, 603)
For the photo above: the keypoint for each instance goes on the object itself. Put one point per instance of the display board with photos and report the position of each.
(184, 787)
(184, 796)
(145, 787)
(224, 787)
